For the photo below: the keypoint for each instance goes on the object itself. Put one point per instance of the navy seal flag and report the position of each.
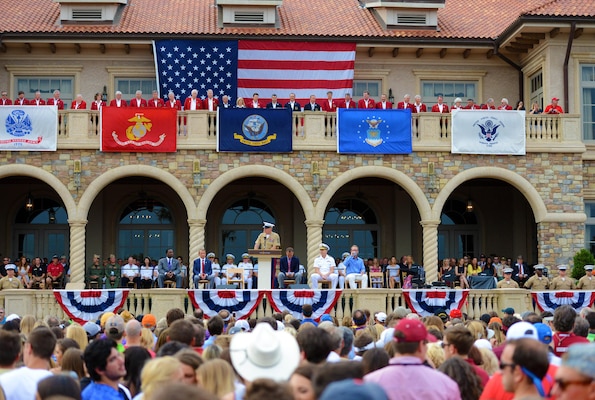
(374, 131)
(24, 128)
(254, 130)
(488, 132)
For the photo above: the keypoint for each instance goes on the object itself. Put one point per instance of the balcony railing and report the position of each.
(79, 129)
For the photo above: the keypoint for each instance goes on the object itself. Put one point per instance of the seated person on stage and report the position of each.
(289, 268)
(130, 273)
(230, 258)
(376, 282)
(248, 269)
(147, 273)
(394, 273)
(112, 273)
(55, 274)
(448, 274)
(341, 270)
(169, 269)
(96, 272)
(216, 268)
(355, 269)
(202, 269)
(324, 266)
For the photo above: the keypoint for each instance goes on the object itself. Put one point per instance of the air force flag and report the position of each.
(488, 132)
(254, 130)
(374, 131)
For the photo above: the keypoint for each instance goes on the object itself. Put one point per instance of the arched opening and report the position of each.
(241, 224)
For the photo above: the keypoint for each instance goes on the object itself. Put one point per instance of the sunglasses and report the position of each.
(504, 365)
(562, 384)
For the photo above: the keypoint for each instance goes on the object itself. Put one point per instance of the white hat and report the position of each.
(230, 256)
(243, 325)
(245, 255)
(211, 255)
(324, 246)
(508, 270)
(10, 266)
(539, 266)
(268, 225)
(380, 316)
(522, 330)
(12, 317)
(483, 343)
(264, 353)
(563, 267)
(589, 267)
(344, 255)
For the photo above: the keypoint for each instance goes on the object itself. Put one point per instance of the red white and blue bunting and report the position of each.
(322, 301)
(549, 301)
(242, 302)
(88, 305)
(427, 302)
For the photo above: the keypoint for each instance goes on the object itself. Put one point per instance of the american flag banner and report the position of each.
(88, 305)
(242, 68)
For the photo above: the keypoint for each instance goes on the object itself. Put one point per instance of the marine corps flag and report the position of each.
(138, 129)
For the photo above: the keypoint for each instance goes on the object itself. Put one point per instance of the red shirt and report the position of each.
(562, 341)
(494, 390)
(55, 270)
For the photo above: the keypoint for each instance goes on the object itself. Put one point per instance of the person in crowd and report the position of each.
(524, 363)
(240, 103)
(348, 102)
(191, 361)
(289, 268)
(366, 101)
(464, 375)
(292, 104)
(507, 282)
(202, 269)
(520, 106)
(471, 105)
(4, 100)
(553, 107)
(315, 344)
(217, 377)
(147, 273)
(58, 386)
(474, 269)
(182, 391)
(158, 371)
(130, 273)
(274, 103)
(106, 368)
(268, 240)
(56, 100)
(521, 271)
(575, 379)
(118, 101)
(77, 333)
(458, 342)
(535, 109)
(10, 349)
(355, 269)
(564, 337)
(324, 266)
(255, 103)
(461, 273)
(418, 105)
(172, 102)
(504, 105)
(489, 105)
(55, 274)
(155, 101)
(78, 103)
(210, 103)
(97, 103)
(406, 103)
(11, 280)
(384, 104)
(193, 103)
(301, 381)
(248, 268)
(394, 274)
(95, 273)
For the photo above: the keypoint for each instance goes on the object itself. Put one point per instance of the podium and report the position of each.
(265, 266)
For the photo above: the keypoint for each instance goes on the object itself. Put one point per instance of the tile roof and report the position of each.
(460, 19)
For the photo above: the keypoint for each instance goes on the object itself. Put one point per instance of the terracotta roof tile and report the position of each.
(460, 19)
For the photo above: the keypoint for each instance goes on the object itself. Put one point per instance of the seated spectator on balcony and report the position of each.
(440, 107)
(169, 269)
(471, 105)
(240, 103)
(384, 104)
(474, 268)
(312, 105)
(38, 271)
(4, 100)
(292, 104)
(147, 273)
(394, 274)
(246, 264)
(156, 101)
(78, 103)
(535, 108)
(274, 104)
(355, 269)
(553, 108)
(55, 274)
(96, 273)
(348, 102)
(504, 104)
(130, 273)
(520, 105)
(210, 103)
(118, 101)
(289, 268)
(21, 100)
(489, 105)
(172, 102)
(406, 103)
(255, 103)
(138, 100)
(56, 100)
(97, 102)
(193, 103)
(11, 280)
(329, 105)
(457, 104)
(37, 100)
(324, 267)
(418, 106)
(366, 101)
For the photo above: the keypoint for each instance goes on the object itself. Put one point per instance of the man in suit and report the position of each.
(520, 271)
(169, 269)
(274, 104)
(366, 102)
(203, 269)
(348, 102)
(440, 107)
(384, 104)
(118, 101)
(289, 268)
(138, 100)
(156, 101)
(292, 104)
(225, 102)
(210, 103)
(312, 104)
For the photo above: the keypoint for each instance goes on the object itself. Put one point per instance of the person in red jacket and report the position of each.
(366, 102)
(406, 104)
(440, 107)
(118, 101)
(255, 103)
(504, 104)
(138, 100)
(56, 100)
(489, 105)
(210, 103)
(348, 102)
(172, 102)
(553, 108)
(193, 103)
(21, 100)
(97, 103)
(418, 106)
(329, 105)
(156, 101)
(55, 273)
(471, 105)
(37, 100)
(78, 103)
(383, 104)
(4, 100)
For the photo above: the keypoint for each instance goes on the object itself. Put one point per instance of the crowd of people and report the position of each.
(211, 103)
(366, 355)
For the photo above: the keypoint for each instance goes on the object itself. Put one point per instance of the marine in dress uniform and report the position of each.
(11, 281)
(507, 282)
(587, 282)
(538, 281)
(562, 282)
(267, 240)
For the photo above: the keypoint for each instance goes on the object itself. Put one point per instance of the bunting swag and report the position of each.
(549, 301)
(242, 302)
(322, 301)
(88, 305)
(427, 302)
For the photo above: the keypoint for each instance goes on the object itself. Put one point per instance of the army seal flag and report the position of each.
(128, 129)
(24, 128)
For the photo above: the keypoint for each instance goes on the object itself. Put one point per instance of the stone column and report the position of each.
(77, 250)
(196, 237)
(430, 249)
(314, 235)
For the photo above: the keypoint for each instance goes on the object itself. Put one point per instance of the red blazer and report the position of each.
(177, 105)
(189, 100)
(18, 102)
(508, 107)
(114, 104)
(6, 102)
(134, 103)
(52, 102)
(422, 108)
(389, 105)
(486, 107)
(343, 104)
(33, 102)
(250, 104)
(82, 106)
(473, 107)
(324, 105)
(205, 104)
(151, 103)
(401, 106)
(435, 108)
(362, 104)
(94, 105)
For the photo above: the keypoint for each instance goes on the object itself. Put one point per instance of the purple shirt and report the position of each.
(406, 378)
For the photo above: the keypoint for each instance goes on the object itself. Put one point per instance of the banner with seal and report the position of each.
(26, 128)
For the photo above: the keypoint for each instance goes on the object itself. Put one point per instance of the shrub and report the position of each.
(582, 258)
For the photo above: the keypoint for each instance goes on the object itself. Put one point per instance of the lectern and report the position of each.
(265, 266)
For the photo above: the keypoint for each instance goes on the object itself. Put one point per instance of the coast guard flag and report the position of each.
(28, 128)
(374, 131)
(138, 129)
(254, 129)
(488, 132)
(242, 68)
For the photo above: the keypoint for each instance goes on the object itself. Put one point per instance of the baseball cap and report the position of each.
(353, 389)
(508, 310)
(544, 332)
(555, 99)
(115, 322)
(411, 330)
(456, 313)
(149, 321)
(440, 313)
(105, 317)
(522, 330)
(381, 316)
(243, 325)
(91, 328)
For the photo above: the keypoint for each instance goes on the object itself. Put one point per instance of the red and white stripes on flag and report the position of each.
(303, 68)
(427, 302)
(549, 301)
(322, 301)
(241, 302)
(88, 305)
